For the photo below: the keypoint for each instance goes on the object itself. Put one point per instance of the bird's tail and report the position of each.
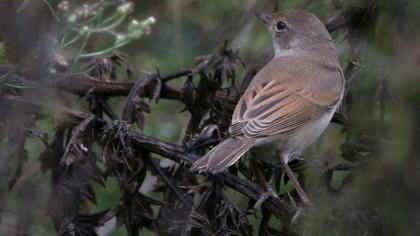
(222, 156)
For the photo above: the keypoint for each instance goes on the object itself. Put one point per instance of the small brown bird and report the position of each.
(289, 103)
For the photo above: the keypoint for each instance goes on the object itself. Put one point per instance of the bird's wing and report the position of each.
(271, 108)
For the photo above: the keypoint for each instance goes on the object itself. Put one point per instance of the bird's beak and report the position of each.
(264, 17)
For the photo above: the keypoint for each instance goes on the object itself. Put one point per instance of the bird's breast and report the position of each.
(304, 136)
(291, 144)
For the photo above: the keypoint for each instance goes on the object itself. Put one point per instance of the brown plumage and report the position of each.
(290, 101)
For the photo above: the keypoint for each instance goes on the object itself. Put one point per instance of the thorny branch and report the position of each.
(174, 152)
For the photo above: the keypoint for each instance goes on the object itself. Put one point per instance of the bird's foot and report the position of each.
(265, 194)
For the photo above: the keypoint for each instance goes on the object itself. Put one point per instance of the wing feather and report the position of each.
(270, 109)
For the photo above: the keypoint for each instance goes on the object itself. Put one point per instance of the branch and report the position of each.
(81, 85)
(171, 151)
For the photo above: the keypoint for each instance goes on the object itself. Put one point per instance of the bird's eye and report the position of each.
(281, 26)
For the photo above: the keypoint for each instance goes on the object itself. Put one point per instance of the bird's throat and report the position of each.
(282, 52)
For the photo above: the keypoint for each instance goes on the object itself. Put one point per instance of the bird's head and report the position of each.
(296, 31)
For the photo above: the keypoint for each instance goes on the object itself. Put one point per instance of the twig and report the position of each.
(176, 75)
(185, 200)
(106, 108)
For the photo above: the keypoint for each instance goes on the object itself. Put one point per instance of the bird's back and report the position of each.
(301, 72)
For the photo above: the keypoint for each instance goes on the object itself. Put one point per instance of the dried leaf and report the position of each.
(135, 106)
(76, 150)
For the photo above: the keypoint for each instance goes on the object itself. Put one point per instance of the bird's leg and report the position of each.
(267, 191)
(302, 195)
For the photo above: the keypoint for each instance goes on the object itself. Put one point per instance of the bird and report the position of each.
(288, 104)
